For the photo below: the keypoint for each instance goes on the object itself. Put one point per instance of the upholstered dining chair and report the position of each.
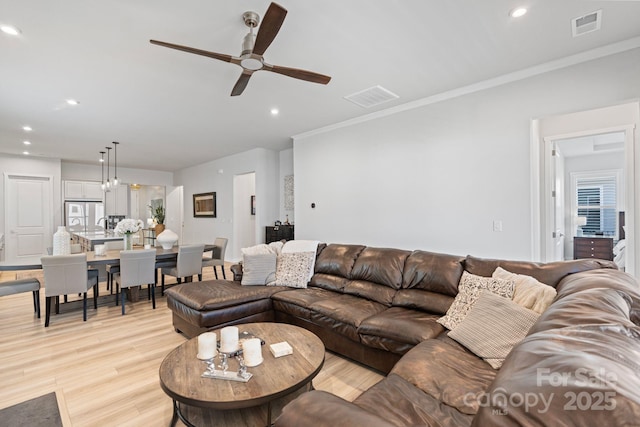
(189, 264)
(112, 269)
(217, 257)
(137, 268)
(67, 274)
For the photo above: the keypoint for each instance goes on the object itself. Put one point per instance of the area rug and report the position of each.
(39, 412)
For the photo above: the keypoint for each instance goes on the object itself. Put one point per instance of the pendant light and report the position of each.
(108, 183)
(102, 184)
(115, 169)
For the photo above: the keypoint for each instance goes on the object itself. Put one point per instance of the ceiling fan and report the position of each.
(253, 47)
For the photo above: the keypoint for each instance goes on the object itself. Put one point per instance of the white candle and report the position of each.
(229, 339)
(252, 352)
(207, 345)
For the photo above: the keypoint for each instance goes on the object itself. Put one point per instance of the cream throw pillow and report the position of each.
(469, 290)
(257, 249)
(529, 293)
(292, 269)
(493, 326)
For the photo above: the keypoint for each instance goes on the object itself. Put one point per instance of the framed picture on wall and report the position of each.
(204, 205)
(253, 205)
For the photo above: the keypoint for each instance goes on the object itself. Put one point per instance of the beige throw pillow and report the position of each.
(529, 293)
(258, 269)
(292, 269)
(493, 326)
(469, 289)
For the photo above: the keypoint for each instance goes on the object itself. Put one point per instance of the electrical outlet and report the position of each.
(497, 225)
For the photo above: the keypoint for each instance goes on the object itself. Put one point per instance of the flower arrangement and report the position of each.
(128, 226)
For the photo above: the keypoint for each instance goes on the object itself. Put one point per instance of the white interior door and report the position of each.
(28, 216)
(174, 215)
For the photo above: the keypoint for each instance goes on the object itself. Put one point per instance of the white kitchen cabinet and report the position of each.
(82, 190)
(117, 200)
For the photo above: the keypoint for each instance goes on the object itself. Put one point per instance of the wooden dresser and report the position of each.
(593, 247)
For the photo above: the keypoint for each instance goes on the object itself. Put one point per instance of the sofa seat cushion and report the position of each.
(403, 404)
(452, 376)
(401, 324)
(297, 301)
(317, 407)
(217, 294)
(344, 314)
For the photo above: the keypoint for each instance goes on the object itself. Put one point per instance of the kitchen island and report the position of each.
(88, 240)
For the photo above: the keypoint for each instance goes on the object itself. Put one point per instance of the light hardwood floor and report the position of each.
(105, 370)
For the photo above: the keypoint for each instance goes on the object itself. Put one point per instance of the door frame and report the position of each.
(50, 214)
(541, 230)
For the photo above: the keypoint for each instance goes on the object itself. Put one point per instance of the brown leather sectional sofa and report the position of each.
(379, 307)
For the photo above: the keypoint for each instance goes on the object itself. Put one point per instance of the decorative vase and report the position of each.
(167, 239)
(159, 229)
(128, 241)
(61, 241)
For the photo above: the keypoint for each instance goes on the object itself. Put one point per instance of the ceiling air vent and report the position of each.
(586, 23)
(371, 97)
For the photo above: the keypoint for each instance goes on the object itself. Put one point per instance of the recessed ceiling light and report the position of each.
(27, 128)
(26, 142)
(9, 29)
(518, 12)
(72, 102)
(275, 111)
(26, 153)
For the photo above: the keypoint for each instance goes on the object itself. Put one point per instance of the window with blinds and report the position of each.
(596, 200)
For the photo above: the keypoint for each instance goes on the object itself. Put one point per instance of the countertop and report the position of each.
(97, 235)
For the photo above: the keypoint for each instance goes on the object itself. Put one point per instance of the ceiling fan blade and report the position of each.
(220, 56)
(241, 83)
(296, 73)
(269, 28)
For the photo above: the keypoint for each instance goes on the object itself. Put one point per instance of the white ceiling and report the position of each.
(170, 110)
(593, 145)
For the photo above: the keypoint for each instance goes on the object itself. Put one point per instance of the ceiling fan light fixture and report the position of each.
(248, 62)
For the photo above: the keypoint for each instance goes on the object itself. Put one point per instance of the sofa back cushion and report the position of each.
(433, 272)
(337, 260)
(377, 274)
(382, 266)
(417, 299)
(548, 273)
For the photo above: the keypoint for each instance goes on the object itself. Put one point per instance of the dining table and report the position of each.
(111, 257)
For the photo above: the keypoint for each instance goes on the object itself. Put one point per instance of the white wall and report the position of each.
(437, 176)
(244, 226)
(286, 168)
(218, 176)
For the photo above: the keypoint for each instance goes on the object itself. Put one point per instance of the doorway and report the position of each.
(599, 126)
(593, 183)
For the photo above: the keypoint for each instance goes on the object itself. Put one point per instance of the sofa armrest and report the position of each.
(319, 408)
(236, 269)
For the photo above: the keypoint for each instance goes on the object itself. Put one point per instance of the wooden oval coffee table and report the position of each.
(275, 382)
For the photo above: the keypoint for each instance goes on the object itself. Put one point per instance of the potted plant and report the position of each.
(158, 216)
